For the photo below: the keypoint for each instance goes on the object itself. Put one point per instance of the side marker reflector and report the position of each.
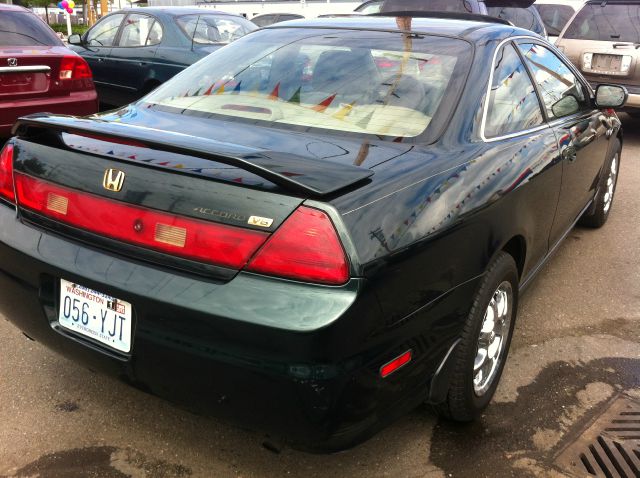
(396, 364)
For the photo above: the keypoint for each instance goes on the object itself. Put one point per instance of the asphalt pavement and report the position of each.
(576, 350)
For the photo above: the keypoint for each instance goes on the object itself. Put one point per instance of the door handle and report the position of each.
(569, 153)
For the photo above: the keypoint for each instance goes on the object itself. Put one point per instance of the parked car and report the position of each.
(520, 13)
(37, 72)
(310, 233)
(271, 18)
(133, 51)
(556, 14)
(602, 40)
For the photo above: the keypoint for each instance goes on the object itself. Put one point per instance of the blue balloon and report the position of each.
(60, 6)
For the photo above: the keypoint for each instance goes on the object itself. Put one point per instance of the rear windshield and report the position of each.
(521, 17)
(612, 22)
(25, 29)
(555, 17)
(211, 29)
(461, 6)
(380, 83)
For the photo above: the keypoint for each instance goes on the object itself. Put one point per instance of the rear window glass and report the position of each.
(378, 83)
(555, 17)
(520, 17)
(612, 22)
(461, 6)
(25, 29)
(211, 29)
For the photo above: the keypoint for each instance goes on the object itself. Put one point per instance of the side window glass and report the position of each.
(513, 102)
(562, 93)
(104, 33)
(136, 30)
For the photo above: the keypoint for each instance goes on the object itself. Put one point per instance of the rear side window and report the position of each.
(556, 82)
(140, 30)
(461, 6)
(555, 17)
(105, 31)
(369, 8)
(264, 20)
(615, 22)
(513, 103)
(25, 29)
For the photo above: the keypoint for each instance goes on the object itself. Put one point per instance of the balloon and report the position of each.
(69, 11)
(60, 6)
(65, 4)
(72, 4)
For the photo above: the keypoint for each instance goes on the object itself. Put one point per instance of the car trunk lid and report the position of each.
(144, 193)
(29, 72)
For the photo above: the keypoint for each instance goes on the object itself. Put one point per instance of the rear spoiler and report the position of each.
(291, 172)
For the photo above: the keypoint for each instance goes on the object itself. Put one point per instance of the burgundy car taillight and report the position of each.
(6, 173)
(306, 247)
(74, 68)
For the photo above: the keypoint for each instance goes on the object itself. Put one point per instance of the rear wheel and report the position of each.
(598, 215)
(486, 337)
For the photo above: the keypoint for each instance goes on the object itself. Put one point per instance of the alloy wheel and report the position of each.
(493, 338)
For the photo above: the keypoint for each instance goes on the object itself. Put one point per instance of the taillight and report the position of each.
(306, 248)
(74, 68)
(217, 244)
(6, 173)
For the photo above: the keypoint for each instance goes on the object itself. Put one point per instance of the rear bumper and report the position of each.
(79, 103)
(303, 365)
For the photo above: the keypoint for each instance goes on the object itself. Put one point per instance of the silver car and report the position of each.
(603, 41)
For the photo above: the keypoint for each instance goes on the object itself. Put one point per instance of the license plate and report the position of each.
(607, 62)
(95, 315)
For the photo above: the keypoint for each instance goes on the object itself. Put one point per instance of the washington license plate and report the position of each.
(95, 315)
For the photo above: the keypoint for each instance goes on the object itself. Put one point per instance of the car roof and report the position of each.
(433, 26)
(176, 11)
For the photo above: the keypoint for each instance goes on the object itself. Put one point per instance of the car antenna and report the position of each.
(195, 29)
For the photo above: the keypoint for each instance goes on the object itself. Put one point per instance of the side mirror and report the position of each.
(611, 96)
(565, 106)
(74, 40)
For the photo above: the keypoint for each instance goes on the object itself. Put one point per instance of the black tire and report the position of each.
(463, 403)
(597, 215)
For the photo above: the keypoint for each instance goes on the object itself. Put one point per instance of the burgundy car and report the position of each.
(37, 72)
